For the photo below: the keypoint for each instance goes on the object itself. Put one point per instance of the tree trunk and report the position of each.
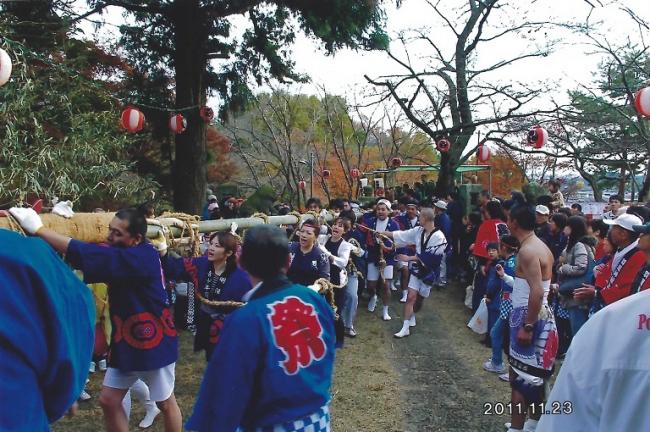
(445, 183)
(621, 183)
(189, 174)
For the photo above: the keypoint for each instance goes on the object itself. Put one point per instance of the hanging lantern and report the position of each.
(177, 124)
(396, 162)
(537, 137)
(443, 145)
(354, 172)
(641, 101)
(5, 67)
(483, 153)
(132, 120)
(206, 113)
(302, 185)
(326, 174)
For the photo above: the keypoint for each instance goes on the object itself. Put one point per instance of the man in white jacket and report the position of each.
(604, 382)
(430, 245)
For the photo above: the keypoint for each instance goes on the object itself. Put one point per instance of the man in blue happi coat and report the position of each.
(272, 368)
(47, 334)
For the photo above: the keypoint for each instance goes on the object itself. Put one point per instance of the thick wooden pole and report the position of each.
(93, 227)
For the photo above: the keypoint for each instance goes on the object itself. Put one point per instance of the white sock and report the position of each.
(406, 325)
(412, 320)
(126, 404)
(385, 310)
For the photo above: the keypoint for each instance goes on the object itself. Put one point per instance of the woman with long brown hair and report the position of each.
(217, 277)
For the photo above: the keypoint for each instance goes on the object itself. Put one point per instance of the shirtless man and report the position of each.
(533, 336)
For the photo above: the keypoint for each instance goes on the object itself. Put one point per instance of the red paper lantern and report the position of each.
(483, 153)
(537, 137)
(177, 124)
(355, 172)
(206, 113)
(302, 185)
(380, 192)
(326, 174)
(641, 101)
(5, 67)
(443, 145)
(132, 120)
(396, 162)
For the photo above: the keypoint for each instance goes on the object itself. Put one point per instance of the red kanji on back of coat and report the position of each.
(297, 332)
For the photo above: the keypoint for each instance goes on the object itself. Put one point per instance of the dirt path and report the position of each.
(442, 386)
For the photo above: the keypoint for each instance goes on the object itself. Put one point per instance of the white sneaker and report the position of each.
(491, 367)
(505, 377)
(404, 295)
(412, 321)
(372, 303)
(91, 369)
(393, 287)
(148, 419)
(402, 333)
(385, 316)
(102, 365)
(84, 396)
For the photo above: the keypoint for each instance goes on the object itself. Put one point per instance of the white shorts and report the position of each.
(416, 284)
(160, 381)
(373, 272)
(401, 264)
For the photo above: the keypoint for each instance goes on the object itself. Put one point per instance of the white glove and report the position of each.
(27, 218)
(324, 250)
(63, 208)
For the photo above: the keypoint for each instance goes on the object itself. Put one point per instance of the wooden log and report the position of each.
(88, 227)
(93, 227)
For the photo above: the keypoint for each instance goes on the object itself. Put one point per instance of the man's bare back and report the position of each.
(534, 260)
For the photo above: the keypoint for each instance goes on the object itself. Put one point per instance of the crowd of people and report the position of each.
(542, 269)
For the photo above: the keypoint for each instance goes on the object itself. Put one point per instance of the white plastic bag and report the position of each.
(479, 321)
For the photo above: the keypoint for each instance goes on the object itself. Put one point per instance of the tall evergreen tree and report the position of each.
(181, 38)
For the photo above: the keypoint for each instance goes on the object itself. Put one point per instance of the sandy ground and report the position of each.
(430, 381)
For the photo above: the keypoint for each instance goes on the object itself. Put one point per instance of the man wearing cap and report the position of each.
(406, 221)
(542, 226)
(443, 223)
(378, 223)
(620, 272)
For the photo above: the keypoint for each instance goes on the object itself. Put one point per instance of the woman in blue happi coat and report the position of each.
(215, 276)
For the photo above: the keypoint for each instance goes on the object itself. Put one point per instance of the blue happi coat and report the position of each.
(46, 332)
(143, 336)
(273, 363)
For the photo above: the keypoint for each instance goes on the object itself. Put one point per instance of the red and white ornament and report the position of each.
(443, 145)
(326, 173)
(206, 113)
(302, 185)
(396, 162)
(132, 120)
(537, 137)
(641, 101)
(177, 124)
(483, 153)
(5, 67)
(354, 172)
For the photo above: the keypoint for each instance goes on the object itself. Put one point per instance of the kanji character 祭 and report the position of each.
(297, 332)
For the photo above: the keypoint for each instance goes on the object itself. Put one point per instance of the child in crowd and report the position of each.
(492, 286)
(505, 271)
